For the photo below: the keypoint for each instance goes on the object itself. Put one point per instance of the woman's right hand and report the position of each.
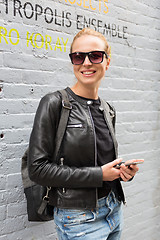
(110, 173)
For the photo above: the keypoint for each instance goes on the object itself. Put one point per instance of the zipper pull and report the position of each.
(62, 161)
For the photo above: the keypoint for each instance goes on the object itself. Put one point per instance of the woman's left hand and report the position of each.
(126, 173)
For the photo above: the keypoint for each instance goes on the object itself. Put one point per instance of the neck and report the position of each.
(84, 91)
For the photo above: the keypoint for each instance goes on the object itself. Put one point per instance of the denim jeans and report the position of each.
(102, 223)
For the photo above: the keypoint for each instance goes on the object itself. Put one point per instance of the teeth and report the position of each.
(87, 72)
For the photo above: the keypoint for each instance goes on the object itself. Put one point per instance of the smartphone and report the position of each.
(128, 164)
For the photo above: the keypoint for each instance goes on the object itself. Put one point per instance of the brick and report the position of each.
(15, 195)
(4, 237)
(3, 211)
(2, 182)
(10, 166)
(16, 121)
(14, 181)
(9, 225)
(1, 59)
(11, 75)
(16, 209)
(20, 91)
(3, 197)
(27, 106)
(16, 136)
(27, 62)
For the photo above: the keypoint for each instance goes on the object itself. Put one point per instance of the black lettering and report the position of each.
(46, 14)
(32, 10)
(114, 32)
(63, 18)
(6, 4)
(98, 24)
(69, 21)
(119, 33)
(38, 10)
(56, 18)
(16, 7)
(85, 23)
(93, 24)
(107, 29)
(124, 31)
(79, 22)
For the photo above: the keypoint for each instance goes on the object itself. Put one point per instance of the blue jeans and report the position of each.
(102, 223)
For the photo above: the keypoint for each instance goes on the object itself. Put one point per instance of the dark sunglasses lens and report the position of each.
(77, 58)
(96, 57)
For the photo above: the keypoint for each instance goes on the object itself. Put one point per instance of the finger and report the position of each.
(125, 176)
(126, 173)
(133, 168)
(115, 162)
(134, 160)
(139, 160)
(125, 168)
(128, 170)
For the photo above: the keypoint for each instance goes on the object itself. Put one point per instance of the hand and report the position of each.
(127, 172)
(110, 173)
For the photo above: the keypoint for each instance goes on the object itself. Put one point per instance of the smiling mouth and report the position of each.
(88, 73)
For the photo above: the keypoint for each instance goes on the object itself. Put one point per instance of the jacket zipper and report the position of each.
(95, 147)
(62, 163)
(75, 126)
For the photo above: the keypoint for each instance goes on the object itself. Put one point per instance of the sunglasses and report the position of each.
(95, 57)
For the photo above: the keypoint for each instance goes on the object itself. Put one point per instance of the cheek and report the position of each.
(104, 67)
(75, 68)
(103, 70)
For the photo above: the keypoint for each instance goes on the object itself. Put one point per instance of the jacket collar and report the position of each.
(78, 98)
(108, 115)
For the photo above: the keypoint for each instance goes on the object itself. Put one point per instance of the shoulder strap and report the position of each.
(66, 107)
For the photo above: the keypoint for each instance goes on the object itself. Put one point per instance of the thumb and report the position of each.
(115, 162)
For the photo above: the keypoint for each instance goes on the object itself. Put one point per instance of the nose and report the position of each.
(87, 61)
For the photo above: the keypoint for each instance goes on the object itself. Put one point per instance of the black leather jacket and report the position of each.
(74, 184)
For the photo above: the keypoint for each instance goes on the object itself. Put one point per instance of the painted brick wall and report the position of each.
(34, 44)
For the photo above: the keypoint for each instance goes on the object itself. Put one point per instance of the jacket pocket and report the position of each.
(73, 217)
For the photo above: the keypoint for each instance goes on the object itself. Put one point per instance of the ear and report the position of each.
(108, 62)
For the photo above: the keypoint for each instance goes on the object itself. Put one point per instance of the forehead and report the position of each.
(87, 43)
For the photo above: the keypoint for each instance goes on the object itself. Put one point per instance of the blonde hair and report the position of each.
(89, 31)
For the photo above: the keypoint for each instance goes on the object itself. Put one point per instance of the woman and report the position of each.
(86, 192)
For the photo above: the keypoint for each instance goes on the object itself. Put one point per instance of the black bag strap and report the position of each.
(66, 107)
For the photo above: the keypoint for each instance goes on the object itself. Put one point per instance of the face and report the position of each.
(89, 73)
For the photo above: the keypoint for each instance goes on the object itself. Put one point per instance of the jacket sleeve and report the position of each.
(42, 167)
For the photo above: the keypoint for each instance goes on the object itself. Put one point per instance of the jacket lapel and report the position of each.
(107, 115)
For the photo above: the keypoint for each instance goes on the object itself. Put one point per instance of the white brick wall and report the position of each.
(132, 84)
